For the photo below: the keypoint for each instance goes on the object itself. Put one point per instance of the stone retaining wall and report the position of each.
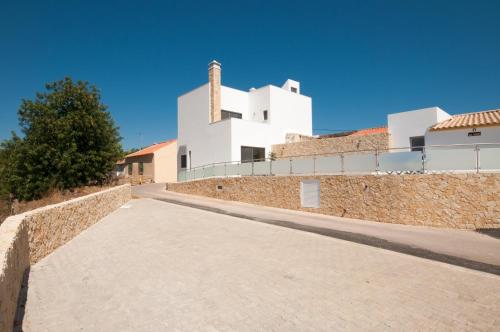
(332, 145)
(466, 201)
(26, 238)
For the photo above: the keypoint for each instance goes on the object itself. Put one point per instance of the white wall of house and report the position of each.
(460, 136)
(235, 101)
(221, 141)
(402, 126)
(208, 142)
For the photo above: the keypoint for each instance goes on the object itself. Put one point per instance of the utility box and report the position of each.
(309, 193)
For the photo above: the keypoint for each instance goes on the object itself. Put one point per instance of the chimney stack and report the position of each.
(214, 73)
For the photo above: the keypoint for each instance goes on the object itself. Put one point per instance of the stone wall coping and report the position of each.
(8, 233)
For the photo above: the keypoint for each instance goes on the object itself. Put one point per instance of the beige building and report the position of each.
(156, 163)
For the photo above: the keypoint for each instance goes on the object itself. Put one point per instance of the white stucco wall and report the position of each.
(208, 142)
(221, 141)
(402, 126)
(459, 136)
(288, 112)
(235, 101)
(289, 84)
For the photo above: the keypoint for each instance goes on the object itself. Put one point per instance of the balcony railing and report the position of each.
(456, 158)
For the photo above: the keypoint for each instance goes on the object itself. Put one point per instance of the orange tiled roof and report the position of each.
(479, 119)
(150, 149)
(359, 132)
(370, 131)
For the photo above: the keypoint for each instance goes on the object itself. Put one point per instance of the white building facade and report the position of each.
(433, 126)
(220, 124)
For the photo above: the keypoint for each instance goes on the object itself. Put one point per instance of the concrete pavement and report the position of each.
(459, 247)
(155, 266)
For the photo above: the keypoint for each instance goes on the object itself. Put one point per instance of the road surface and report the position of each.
(156, 266)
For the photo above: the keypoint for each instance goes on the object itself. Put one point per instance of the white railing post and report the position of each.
(252, 168)
(270, 167)
(342, 170)
(314, 165)
(291, 168)
(478, 161)
(377, 166)
(423, 159)
(225, 169)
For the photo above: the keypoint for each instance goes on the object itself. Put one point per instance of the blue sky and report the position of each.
(358, 60)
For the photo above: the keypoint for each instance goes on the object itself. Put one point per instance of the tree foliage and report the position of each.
(69, 140)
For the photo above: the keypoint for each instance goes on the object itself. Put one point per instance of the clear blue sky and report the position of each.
(358, 60)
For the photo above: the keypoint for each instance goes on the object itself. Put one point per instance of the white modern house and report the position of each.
(433, 126)
(218, 124)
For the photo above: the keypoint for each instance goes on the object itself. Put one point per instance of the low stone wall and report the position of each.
(465, 201)
(27, 238)
(14, 260)
(332, 145)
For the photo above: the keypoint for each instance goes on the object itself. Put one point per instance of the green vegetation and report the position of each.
(69, 140)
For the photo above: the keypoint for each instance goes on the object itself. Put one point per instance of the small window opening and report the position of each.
(417, 143)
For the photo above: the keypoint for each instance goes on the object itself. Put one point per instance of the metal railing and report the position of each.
(428, 159)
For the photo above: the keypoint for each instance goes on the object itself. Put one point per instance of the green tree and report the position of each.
(69, 140)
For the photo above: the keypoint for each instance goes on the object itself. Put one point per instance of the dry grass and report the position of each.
(53, 197)
(4, 210)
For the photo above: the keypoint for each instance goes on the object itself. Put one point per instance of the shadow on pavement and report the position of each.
(21, 303)
(490, 232)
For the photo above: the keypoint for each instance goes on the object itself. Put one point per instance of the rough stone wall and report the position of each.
(332, 145)
(54, 225)
(465, 201)
(14, 260)
(27, 238)
(214, 79)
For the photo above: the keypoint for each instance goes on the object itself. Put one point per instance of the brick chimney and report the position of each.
(214, 83)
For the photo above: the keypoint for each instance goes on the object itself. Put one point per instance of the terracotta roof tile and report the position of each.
(150, 149)
(370, 131)
(479, 119)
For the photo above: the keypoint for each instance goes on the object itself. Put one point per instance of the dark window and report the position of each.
(183, 161)
(293, 89)
(228, 114)
(141, 168)
(250, 153)
(417, 143)
(129, 166)
(265, 115)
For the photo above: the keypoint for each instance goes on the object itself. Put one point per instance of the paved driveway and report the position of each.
(154, 266)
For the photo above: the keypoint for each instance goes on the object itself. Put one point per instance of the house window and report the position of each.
(183, 161)
(228, 114)
(265, 115)
(130, 166)
(250, 153)
(417, 143)
(141, 168)
(293, 89)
